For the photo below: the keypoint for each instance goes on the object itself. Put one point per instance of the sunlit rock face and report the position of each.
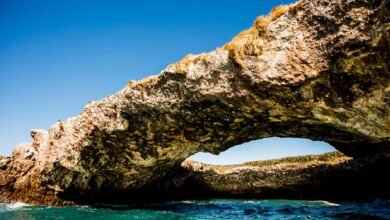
(320, 71)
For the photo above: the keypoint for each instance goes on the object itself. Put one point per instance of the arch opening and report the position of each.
(264, 149)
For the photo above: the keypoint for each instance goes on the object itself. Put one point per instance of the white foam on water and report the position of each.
(329, 203)
(17, 205)
(249, 202)
(188, 202)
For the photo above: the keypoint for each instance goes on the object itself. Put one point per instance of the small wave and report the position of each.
(249, 202)
(329, 203)
(188, 202)
(17, 205)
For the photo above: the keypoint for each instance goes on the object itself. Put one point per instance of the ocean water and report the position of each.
(209, 209)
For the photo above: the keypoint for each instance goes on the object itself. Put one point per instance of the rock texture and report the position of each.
(331, 176)
(317, 69)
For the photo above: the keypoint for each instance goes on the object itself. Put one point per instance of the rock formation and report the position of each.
(331, 176)
(316, 69)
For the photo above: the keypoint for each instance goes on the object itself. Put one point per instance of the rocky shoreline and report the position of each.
(330, 176)
(315, 69)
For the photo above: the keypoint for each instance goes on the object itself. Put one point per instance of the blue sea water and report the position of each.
(209, 209)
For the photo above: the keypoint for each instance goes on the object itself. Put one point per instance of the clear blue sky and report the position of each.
(56, 55)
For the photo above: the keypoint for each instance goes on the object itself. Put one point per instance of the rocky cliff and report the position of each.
(331, 176)
(316, 69)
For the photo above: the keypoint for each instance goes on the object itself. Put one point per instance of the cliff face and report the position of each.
(316, 69)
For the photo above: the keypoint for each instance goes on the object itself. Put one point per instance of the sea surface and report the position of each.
(208, 209)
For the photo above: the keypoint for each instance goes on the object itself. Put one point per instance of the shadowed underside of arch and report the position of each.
(316, 70)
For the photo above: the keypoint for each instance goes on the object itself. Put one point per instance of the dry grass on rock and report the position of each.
(250, 42)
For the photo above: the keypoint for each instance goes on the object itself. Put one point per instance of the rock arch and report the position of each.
(323, 74)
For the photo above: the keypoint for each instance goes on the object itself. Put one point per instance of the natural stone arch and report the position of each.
(318, 76)
(208, 102)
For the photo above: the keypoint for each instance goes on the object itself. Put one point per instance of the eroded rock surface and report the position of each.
(318, 70)
(330, 176)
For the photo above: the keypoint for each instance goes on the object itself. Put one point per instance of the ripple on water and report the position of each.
(208, 209)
